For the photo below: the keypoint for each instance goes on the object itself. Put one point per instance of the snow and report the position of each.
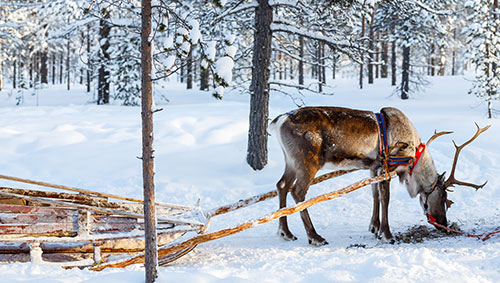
(224, 68)
(194, 33)
(231, 51)
(211, 45)
(200, 152)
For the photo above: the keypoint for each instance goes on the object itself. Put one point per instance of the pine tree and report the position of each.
(484, 40)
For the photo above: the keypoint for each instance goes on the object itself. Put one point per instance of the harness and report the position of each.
(388, 159)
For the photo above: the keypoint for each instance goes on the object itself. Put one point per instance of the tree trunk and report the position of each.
(432, 61)
(323, 68)
(32, 63)
(182, 74)
(371, 51)
(334, 63)
(68, 73)
(203, 79)
(301, 61)
(44, 70)
(377, 57)
(361, 66)
(53, 68)
(61, 69)
(189, 67)
(280, 65)
(14, 75)
(393, 63)
(385, 60)
(319, 67)
(151, 252)
(405, 80)
(89, 65)
(259, 88)
(103, 80)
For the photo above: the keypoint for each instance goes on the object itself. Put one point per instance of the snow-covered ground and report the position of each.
(200, 154)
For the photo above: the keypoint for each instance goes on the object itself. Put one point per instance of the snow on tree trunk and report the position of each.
(259, 88)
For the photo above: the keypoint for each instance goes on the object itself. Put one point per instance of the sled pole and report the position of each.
(83, 191)
(258, 198)
(170, 249)
(96, 209)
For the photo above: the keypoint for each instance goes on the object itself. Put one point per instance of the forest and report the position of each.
(72, 83)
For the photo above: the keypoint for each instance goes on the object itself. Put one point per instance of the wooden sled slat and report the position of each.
(36, 229)
(34, 218)
(18, 209)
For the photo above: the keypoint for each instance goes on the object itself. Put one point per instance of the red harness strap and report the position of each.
(418, 154)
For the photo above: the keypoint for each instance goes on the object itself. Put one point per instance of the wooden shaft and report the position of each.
(95, 209)
(258, 198)
(162, 252)
(83, 191)
(80, 198)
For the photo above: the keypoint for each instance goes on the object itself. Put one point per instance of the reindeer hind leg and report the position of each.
(299, 194)
(284, 185)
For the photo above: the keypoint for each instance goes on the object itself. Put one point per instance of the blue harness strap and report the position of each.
(389, 160)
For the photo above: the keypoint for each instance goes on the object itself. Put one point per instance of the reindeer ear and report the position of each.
(442, 176)
(449, 203)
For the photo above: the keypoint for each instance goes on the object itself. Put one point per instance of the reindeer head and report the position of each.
(435, 202)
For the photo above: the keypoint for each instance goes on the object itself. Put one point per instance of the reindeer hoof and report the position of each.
(286, 236)
(388, 240)
(318, 242)
(374, 230)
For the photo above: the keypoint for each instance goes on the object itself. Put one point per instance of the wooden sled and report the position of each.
(81, 228)
(89, 224)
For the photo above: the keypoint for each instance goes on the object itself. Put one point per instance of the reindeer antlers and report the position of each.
(436, 134)
(451, 181)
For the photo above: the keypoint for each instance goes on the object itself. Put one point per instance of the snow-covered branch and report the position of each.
(431, 10)
(310, 35)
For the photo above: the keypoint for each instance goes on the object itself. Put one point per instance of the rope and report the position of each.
(483, 237)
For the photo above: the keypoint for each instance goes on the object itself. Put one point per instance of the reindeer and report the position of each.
(337, 138)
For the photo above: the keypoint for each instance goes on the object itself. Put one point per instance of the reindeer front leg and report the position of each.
(385, 233)
(375, 221)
